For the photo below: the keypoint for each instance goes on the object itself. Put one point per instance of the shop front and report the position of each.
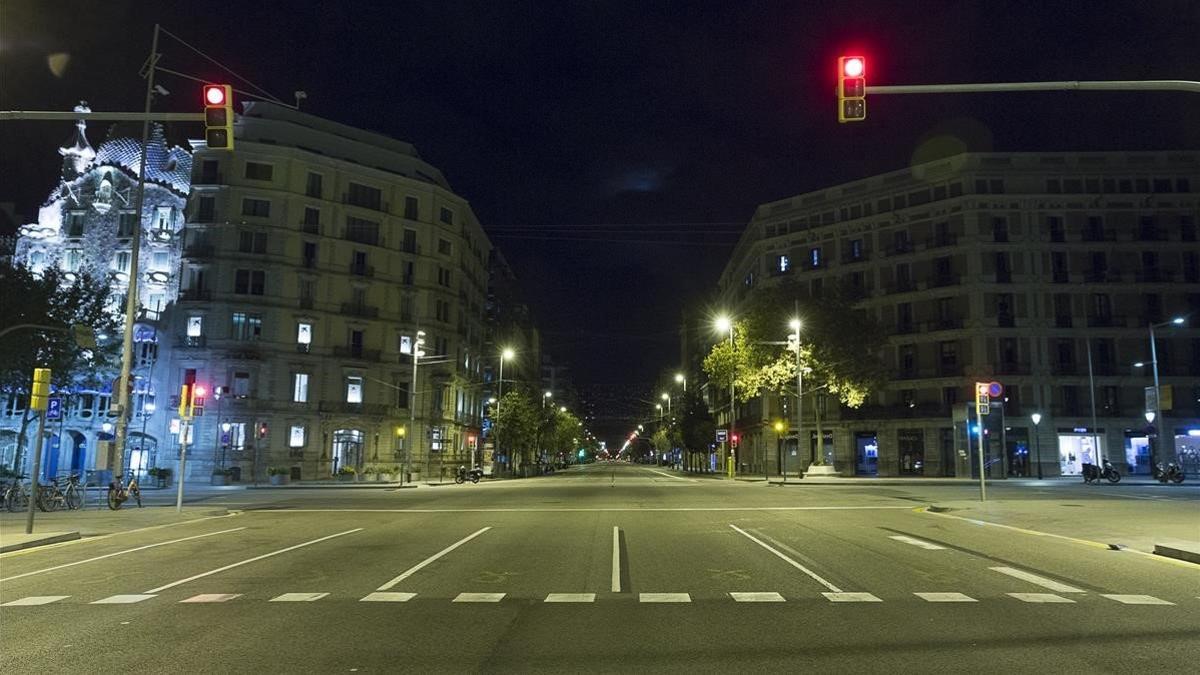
(1137, 453)
(866, 452)
(911, 444)
(1078, 446)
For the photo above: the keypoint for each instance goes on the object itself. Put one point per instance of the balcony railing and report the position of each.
(941, 280)
(310, 228)
(1099, 235)
(198, 251)
(193, 341)
(362, 270)
(352, 352)
(950, 369)
(1004, 276)
(944, 324)
(1060, 277)
(1012, 368)
(1064, 368)
(1105, 321)
(899, 248)
(306, 302)
(941, 241)
(1101, 276)
(364, 311)
(1155, 275)
(903, 286)
(377, 409)
(905, 327)
(1006, 320)
(195, 295)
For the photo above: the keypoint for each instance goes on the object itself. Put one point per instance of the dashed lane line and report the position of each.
(388, 597)
(616, 560)
(35, 600)
(851, 597)
(1041, 598)
(786, 559)
(757, 597)
(421, 565)
(1137, 599)
(173, 584)
(478, 597)
(664, 597)
(571, 597)
(298, 597)
(945, 597)
(928, 545)
(1032, 578)
(211, 597)
(123, 599)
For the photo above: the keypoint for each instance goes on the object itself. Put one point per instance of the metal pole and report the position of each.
(117, 452)
(1092, 386)
(1064, 85)
(1037, 439)
(37, 467)
(1157, 402)
(412, 410)
(499, 398)
(732, 403)
(982, 481)
(184, 427)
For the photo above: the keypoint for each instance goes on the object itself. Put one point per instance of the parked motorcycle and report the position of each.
(1168, 472)
(465, 475)
(1093, 473)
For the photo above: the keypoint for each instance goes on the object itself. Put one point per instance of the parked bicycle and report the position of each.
(53, 497)
(16, 495)
(119, 494)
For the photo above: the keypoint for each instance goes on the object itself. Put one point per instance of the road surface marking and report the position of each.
(757, 597)
(388, 597)
(212, 597)
(663, 473)
(917, 542)
(851, 597)
(421, 565)
(611, 509)
(35, 600)
(1039, 580)
(664, 597)
(479, 597)
(173, 584)
(945, 597)
(616, 560)
(298, 597)
(123, 599)
(85, 540)
(1137, 599)
(791, 562)
(571, 597)
(110, 555)
(1041, 597)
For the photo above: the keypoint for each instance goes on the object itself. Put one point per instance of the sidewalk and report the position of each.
(59, 526)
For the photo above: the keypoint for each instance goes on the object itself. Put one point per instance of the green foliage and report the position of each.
(346, 471)
(696, 424)
(563, 432)
(278, 471)
(516, 424)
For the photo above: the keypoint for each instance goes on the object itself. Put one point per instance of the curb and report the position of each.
(52, 538)
(1184, 552)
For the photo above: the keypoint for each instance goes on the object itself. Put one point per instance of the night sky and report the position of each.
(663, 122)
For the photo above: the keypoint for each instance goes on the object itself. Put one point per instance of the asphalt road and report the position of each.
(603, 568)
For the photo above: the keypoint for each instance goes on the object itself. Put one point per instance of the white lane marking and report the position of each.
(613, 509)
(123, 599)
(35, 600)
(1137, 599)
(88, 540)
(479, 597)
(664, 597)
(945, 597)
(111, 555)
(616, 560)
(298, 597)
(663, 473)
(419, 566)
(791, 562)
(212, 597)
(757, 597)
(1039, 580)
(1041, 597)
(256, 558)
(851, 597)
(571, 597)
(388, 597)
(917, 542)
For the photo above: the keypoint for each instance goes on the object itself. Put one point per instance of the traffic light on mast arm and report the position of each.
(852, 89)
(218, 116)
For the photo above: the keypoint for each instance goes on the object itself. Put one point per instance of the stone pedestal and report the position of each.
(821, 471)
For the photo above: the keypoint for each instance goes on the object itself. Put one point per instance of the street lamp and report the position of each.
(724, 324)
(794, 324)
(1177, 321)
(667, 397)
(546, 397)
(680, 379)
(1037, 440)
(659, 406)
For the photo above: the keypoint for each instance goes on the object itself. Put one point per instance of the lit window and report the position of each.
(304, 333)
(300, 388)
(814, 256)
(296, 436)
(195, 326)
(784, 263)
(163, 218)
(405, 344)
(354, 387)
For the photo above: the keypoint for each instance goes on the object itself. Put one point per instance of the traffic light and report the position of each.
(218, 116)
(185, 401)
(191, 400)
(852, 89)
(39, 393)
(733, 440)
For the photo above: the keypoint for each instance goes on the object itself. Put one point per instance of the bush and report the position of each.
(278, 471)
(346, 471)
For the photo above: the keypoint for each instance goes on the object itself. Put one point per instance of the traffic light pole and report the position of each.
(184, 427)
(1065, 85)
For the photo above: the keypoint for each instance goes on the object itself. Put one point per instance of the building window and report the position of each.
(164, 218)
(405, 344)
(260, 208)
(75, 224)
(247, 326)
(309, 254)
(122, 261)
(300, 387)
(160, 261)
(782, 263)
(443, 247)
(259, 171)
(308, 289)
(401, 388)
(411, 206)
(252, 242)
(948, 353)
(1057, 233)
(73, 260)
(241, 385)
(444, 277)
(125, 221)
(364, 196)
(410, 241)
(446, 216)
(1000, 230)
(814, 256)
(296, 436)
(208, 171)
(354, 389)
(362, 230)
(312, 186)
(312, 218)
(249, 282)
(195, 326)
(856, 249)
(236, 437)
(304, 333)
(206, 209)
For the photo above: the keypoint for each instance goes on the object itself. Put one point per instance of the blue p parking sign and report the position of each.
(54, 409)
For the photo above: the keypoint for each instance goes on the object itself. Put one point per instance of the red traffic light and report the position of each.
(853, 66)
(214, 94)
(198, 391)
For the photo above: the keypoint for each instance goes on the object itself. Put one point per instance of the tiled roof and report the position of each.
(171, 167)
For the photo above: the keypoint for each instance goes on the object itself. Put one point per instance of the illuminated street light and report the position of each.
(1037, 439)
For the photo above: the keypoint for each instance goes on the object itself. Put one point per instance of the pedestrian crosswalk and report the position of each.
(590, 598)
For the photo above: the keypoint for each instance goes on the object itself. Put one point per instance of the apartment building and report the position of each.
(1041, 271)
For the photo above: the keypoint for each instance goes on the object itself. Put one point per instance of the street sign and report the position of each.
(1151, 399)
(722, 435)
(54, 409)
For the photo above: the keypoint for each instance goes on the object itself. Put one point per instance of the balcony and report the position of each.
(899, 248)
(1004, 276)
(909, 374)
(942, 241)
(1104, 321)
(192, 341)
(1153, 275)
(1152, 234)
(903, 286)
(244, 353)
(943, 280)
(1065, 368)
(362, 311)
(950, 369)
(1006, 320)
(306, 302)
(943, 324)
(362, 270)
(1062, 321)
(1101, 276)
(1012, 368)
(1060, 277)
(1099, 235)
(353, 352)
(310, 228)
(905, 328)
(195, 295)
(375, 409)
(198, 251)
(370, 237)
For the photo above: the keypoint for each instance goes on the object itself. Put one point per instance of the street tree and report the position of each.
(516, 427)
(697, 427)
(50, 299)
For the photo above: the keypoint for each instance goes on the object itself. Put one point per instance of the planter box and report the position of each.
(370, 477)
(280, 479)
(345, 477)
(387, 478)
(219, 479)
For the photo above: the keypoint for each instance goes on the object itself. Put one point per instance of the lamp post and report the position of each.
(417, 353)
(667, 397)
(1177, 321)
(660, 413)
(1037, 441)
(1149, 415)
(505, 355)
(680, 379)
(724, 324)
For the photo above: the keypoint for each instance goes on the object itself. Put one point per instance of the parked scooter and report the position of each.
(1093, 473)
(1168, 472)
(465, 475)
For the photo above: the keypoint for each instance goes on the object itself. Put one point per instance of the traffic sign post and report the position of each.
(984, 393)
(722, 435)
(54, 409)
